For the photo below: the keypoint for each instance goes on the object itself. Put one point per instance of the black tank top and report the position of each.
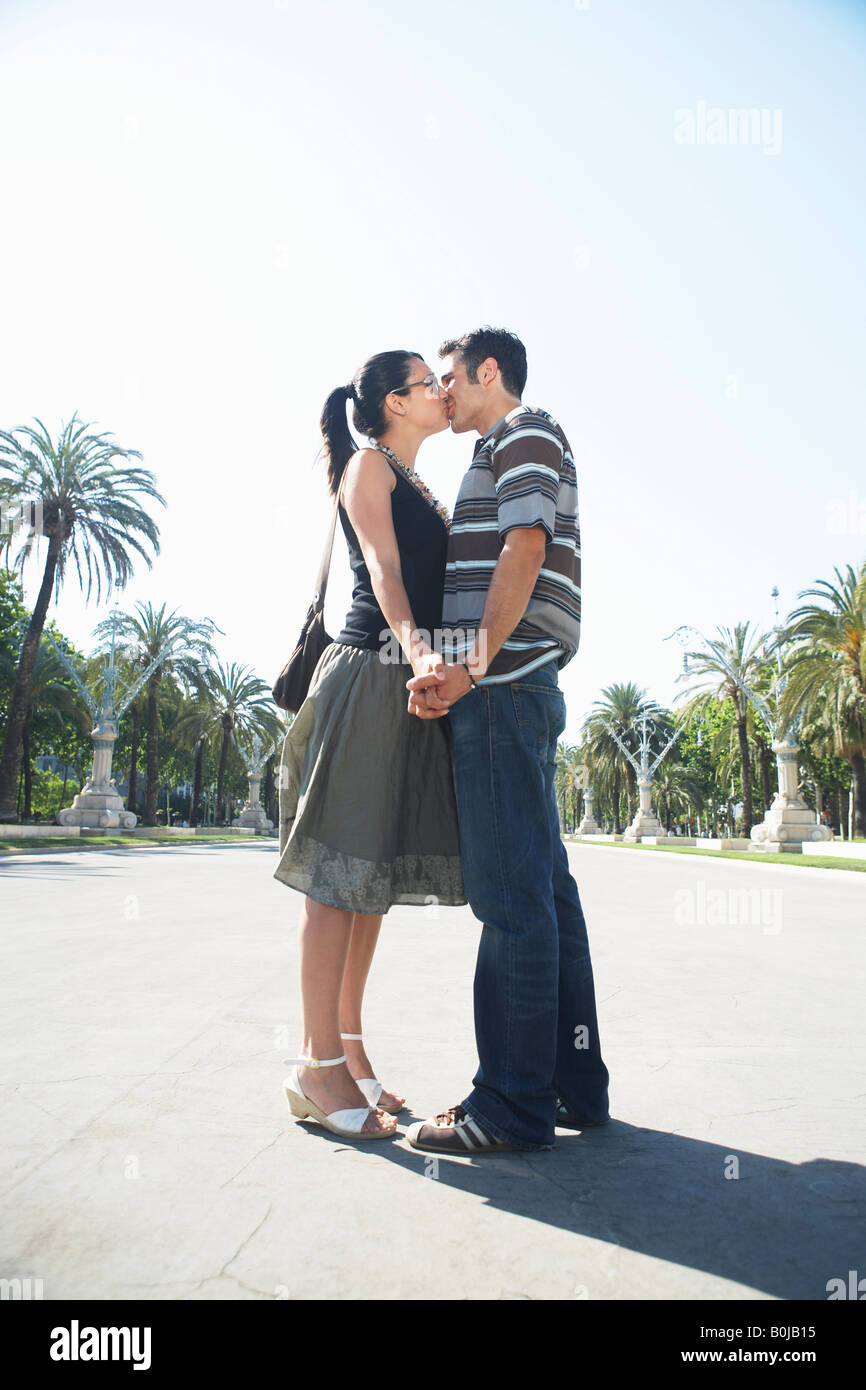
(422, 540)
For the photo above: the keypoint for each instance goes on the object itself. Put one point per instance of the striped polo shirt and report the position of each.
(522, 474)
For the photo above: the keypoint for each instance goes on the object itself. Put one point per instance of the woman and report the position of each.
(368, 814)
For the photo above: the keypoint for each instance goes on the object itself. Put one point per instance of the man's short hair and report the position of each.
(505, 347)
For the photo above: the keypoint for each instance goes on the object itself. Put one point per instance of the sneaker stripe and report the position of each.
(481, 1137)
(467, 1140)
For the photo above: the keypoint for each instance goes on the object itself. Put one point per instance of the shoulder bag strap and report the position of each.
(325, 566)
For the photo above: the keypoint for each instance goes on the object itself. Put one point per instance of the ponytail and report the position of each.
(339, 444)
(387, 371)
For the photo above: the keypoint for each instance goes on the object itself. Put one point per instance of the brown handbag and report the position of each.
(293, 682)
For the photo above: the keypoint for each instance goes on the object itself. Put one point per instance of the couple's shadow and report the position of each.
(783, 1229)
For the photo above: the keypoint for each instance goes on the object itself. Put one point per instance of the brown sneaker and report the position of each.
(565, 1120)
(455, 1132)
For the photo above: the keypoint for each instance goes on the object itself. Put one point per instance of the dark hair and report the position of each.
(499, 343)
(386, 372)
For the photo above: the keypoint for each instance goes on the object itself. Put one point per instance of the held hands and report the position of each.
(427, 663)
(428, 667)
(430, 694)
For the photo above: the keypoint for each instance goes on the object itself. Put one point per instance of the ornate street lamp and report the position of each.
(99, 806)
(587, 825)
(644, 823)
(789, 821)
(253, 813)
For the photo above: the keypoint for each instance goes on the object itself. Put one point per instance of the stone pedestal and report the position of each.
(789, 822)
(587, 825)
(644, 823)
(99, 806)
(665, 839)
(253, 813)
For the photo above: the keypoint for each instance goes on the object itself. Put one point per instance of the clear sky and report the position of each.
(214, 212)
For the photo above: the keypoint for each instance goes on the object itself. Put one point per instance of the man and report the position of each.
(512, 606)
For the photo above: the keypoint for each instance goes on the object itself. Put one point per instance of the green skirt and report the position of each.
(368, 808)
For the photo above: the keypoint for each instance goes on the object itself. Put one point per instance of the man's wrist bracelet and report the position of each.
(469, 674)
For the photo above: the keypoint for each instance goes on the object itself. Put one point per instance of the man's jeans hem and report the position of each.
(500, 1134)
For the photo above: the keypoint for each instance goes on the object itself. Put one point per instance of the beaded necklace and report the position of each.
(411, 476)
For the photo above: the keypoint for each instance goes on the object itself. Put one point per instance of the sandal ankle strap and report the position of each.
(313, 1061)
(352, 1037)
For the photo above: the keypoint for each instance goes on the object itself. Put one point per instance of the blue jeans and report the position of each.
(535, 1017)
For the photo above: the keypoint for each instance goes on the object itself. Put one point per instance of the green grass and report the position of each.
(809, 861)
(67, 842)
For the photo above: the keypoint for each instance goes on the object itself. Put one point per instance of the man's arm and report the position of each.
(527, 465)
(511, 587)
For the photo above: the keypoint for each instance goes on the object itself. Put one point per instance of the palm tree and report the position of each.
(733, 657)
(760, 733)
(243, 708)
(560, 785)
(50, 694)
(826, 672)
(765, 756)
(180, 645)
(620, 706)
(607, 776)
(12, 635)
(136, 714)
(197, 729)
(270, 791)
(569, 780)
(90, 513)
(270, 798)
(676, 790)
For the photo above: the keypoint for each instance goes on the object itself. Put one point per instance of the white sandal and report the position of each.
(349, 1124)
(369, 1085)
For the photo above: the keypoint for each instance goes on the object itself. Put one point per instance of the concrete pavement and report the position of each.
(149, 997)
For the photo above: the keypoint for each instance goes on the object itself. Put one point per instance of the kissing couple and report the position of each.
(446, 793)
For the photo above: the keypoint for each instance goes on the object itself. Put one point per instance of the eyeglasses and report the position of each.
(431, 381)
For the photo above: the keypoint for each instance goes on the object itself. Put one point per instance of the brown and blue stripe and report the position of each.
(522, 474)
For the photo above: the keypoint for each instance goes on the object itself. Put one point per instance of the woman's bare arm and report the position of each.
(367, 486)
